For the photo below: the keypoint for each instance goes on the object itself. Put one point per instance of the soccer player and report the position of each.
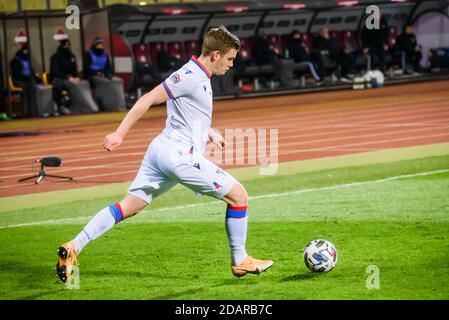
(176, 156)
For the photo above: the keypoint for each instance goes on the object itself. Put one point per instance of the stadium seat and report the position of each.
(141, 53)
(45, 79)
(307, 39)
(176, 50)
(145, 70)
(276, 44)
(154, 49)
(284, 39)
(12, 87)
(246, 45)
(14, 99)
(192, 47)
(393, 34)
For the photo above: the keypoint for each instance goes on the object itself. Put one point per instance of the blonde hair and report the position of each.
(219, 39)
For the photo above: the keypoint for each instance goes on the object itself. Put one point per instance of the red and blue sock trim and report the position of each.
(236, 212)
(116, 211)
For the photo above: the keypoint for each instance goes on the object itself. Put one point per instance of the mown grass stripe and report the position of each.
(264, 196)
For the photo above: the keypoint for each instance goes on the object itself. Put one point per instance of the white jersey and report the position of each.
(189, 110)
(176, 155)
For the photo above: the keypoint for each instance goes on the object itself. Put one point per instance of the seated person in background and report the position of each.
(297, 50)
(324, 42)
(23, 76)
(407, 43)
(375, 42)
(262, 52)
(97, 69)
(64, 76)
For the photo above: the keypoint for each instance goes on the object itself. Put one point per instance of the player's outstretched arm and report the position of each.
(156, 96)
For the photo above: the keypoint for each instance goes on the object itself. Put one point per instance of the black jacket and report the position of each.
(262, 52)
(297, 50)
(321, 43)
(375, 38)
(16, 68)
(406, 42)
(63, 64)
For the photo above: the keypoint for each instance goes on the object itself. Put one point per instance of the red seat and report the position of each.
(284, 39)
(276, 44)
(192, 47)
(154, 49)
(307, 39)
(393, 32)
(176, 49)
(246, 45)
(141, 53)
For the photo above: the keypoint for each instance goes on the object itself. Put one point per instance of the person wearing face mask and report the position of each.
(64, 76)
(407, 45)
(23, 76)
(300, 53)
(375, 43)
(97, 69)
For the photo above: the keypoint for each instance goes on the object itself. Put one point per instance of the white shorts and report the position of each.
(165, 164)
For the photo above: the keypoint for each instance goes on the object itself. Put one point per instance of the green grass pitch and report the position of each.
(400, 225)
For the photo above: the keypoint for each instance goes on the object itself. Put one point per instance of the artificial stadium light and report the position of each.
(294, 6)
(348, 3)
(236, 9)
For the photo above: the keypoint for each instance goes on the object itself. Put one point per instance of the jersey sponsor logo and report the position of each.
(217, 185)
(175, 78)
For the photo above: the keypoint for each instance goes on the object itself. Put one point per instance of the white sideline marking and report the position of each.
(264, 196)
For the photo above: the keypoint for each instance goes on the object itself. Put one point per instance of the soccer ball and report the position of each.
(320, 256)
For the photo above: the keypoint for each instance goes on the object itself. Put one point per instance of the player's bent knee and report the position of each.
(132, 205)
(237, 196)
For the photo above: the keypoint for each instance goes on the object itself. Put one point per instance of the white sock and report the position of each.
(236, 229)
(102, 222)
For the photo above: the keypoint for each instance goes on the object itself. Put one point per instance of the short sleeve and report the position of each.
(179, 84)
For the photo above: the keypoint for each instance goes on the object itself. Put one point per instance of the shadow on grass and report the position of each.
(301, 276)
(38, 295)
(35, 279)
(177, 295)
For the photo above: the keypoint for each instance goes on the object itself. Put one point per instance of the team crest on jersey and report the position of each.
(175, 78)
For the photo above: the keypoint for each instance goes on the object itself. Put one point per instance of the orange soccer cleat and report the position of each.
(67, 258)
(251, 265)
